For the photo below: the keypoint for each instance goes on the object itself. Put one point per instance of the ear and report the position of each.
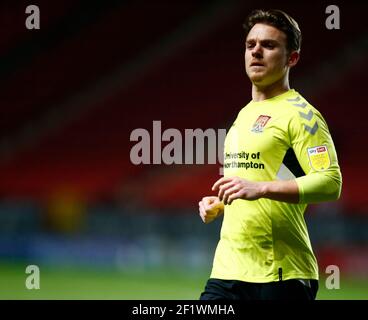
(293, 58)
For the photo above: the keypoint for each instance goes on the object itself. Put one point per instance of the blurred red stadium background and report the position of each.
(73, 91)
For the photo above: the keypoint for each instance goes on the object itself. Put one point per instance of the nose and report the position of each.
(257, 51)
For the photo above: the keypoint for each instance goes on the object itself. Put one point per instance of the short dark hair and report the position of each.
(280, 20)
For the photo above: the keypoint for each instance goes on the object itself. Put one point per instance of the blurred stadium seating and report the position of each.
(72, 92)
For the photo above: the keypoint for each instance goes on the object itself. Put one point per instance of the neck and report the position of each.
(260, 93)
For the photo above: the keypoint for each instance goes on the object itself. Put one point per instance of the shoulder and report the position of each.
(296, 103)
(302, 114)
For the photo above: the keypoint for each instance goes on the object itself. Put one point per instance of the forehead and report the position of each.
(261, 31)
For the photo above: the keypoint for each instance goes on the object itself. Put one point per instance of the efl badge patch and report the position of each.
(319, 158)
(260, 123)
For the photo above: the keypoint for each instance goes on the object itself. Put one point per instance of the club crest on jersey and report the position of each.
(319, 158)
(260, 123)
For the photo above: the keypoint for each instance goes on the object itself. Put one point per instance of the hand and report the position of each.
(210, 208)
(231, 188)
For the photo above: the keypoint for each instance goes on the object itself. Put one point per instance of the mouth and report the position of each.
(256, 64)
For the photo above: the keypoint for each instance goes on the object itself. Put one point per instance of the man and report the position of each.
(279, 156)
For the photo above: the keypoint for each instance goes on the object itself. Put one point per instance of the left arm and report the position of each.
(311, 188)
(232, 188)
(322, 181)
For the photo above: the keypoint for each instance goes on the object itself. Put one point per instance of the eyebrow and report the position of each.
(273, 41)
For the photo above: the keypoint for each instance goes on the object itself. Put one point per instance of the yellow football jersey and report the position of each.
(279, 138)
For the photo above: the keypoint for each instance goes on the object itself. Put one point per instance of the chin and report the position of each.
(256, 79)
(256, 74)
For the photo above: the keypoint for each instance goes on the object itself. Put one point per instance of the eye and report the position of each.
(269, 45)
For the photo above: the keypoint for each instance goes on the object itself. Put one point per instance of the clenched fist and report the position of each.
(210, 208)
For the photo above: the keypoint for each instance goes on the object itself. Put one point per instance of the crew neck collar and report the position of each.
(280, 96)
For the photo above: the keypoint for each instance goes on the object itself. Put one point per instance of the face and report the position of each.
(266, 57)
